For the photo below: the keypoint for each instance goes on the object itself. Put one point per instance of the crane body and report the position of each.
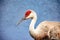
(42, 29)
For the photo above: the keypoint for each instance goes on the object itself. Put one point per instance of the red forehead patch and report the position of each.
(27, 13)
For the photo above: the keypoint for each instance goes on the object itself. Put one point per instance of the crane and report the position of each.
(42, 29)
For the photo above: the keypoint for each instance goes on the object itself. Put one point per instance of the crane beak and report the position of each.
(21, 20)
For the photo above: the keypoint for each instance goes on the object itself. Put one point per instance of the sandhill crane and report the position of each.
(42, 29)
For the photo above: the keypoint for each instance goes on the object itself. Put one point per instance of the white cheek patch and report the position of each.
(30, 16)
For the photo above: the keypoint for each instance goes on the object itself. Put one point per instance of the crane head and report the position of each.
(29, 14)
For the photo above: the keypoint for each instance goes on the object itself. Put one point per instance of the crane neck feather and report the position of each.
(31, 28)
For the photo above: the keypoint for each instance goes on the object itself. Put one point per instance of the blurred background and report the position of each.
(11, 11)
